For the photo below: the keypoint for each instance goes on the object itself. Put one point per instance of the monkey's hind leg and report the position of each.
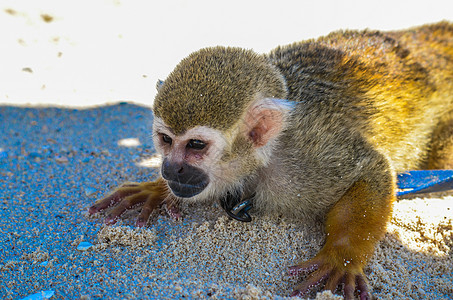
(441, 153)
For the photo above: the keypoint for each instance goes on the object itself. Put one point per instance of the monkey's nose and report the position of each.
(183, 173)
(183, 179)
(173, 169)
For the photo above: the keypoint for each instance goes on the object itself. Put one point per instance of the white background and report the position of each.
(100, 51)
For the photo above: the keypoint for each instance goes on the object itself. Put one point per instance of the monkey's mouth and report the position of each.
(186, 190)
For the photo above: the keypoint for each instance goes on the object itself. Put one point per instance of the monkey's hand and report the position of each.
(129, 195)
(323, 270)
(354, 225)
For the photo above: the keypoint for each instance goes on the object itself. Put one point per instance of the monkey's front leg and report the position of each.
(151, 194)
(353, 226)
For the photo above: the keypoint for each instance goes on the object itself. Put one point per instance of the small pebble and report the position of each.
(62, 159)
(34, 155)
(83, 246)
(44, 263)
(3, 154)
(40, 295)
(90, 191)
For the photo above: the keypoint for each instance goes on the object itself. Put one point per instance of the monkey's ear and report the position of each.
(265, 119)
(159, 84)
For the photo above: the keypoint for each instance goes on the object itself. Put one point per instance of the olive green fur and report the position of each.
(213, 86)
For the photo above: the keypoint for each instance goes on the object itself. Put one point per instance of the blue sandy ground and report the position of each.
(43, 201)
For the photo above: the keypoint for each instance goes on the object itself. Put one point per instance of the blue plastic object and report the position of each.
(424, 181)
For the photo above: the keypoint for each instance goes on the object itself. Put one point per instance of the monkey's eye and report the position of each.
(166, 139)
(196, 144)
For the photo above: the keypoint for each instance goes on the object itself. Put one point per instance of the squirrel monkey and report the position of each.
(316, 129)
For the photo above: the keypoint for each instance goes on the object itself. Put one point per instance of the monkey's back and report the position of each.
(393, 87)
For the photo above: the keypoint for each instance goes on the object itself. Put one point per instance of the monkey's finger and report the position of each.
(349, 287)
(112, 199)
(362, 287)
(172, 208)
(174, 212)
(150, 205)
(125, 204)
(308, 266)
(334, 281)
(312, 281)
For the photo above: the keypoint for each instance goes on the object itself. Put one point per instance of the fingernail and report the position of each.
(92, 210)
(110, 221)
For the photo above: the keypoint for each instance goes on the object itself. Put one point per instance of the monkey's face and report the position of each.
(190, 160)
(204, 162)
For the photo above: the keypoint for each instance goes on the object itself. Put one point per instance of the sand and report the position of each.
(54, 163)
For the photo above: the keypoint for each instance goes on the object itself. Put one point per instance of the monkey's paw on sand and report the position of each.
(333, 276)
(148, 195)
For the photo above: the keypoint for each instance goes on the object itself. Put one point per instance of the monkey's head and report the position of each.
(217, 117)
